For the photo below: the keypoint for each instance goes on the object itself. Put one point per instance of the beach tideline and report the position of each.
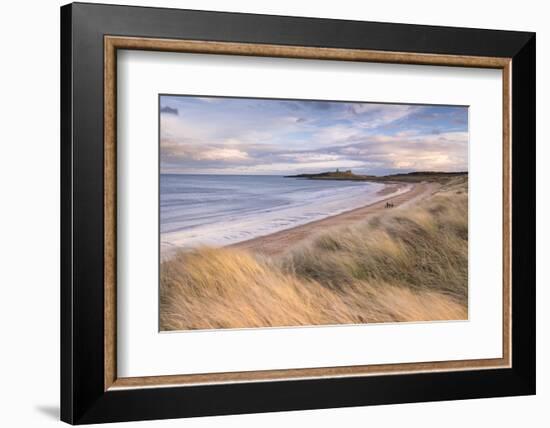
(367, 264)
(399, 194)
(224, 210)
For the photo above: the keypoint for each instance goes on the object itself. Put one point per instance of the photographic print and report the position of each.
(286, 212)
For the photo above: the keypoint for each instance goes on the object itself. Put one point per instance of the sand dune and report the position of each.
(369, 265)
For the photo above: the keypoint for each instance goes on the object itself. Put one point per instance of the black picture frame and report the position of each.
(83, 398)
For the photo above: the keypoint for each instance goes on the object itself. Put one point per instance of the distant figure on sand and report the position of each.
(389, 204)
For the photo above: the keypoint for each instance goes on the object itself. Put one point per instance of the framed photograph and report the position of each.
(266, 213)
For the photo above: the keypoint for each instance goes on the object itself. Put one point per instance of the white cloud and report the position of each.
(258, 138)
(175, 128)
(311, 157)
(370, 116)
(210, 100)
(223, 154)
(281, 167)
(438, 152)
(334, 135)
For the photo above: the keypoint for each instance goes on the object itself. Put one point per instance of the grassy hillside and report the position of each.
(407, 264)
(411, 177)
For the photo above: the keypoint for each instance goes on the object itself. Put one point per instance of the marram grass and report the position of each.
(408, 264)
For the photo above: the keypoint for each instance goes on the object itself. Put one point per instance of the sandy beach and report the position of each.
(412, 266)
(279, 242)
(220, 212)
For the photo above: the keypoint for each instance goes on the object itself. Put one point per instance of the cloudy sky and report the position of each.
(200, 135)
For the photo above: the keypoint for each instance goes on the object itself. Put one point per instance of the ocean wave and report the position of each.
(231, 209)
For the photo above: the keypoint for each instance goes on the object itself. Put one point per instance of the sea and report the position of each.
(219, 210)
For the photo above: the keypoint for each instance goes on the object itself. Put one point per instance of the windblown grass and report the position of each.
(409, 264)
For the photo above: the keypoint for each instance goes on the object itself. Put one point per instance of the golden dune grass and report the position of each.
(405, 265)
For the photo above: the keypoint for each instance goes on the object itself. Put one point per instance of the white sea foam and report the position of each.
(222, 210)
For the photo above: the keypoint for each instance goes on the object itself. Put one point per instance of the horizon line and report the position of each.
(314, 173)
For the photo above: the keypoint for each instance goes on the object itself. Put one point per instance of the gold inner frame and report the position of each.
(113, 43)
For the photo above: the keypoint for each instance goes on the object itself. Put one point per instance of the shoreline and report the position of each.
(360, 271)
(278, 242)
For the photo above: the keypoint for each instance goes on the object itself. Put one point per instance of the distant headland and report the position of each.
(411, 177)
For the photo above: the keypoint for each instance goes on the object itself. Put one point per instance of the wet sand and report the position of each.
(279, 242)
